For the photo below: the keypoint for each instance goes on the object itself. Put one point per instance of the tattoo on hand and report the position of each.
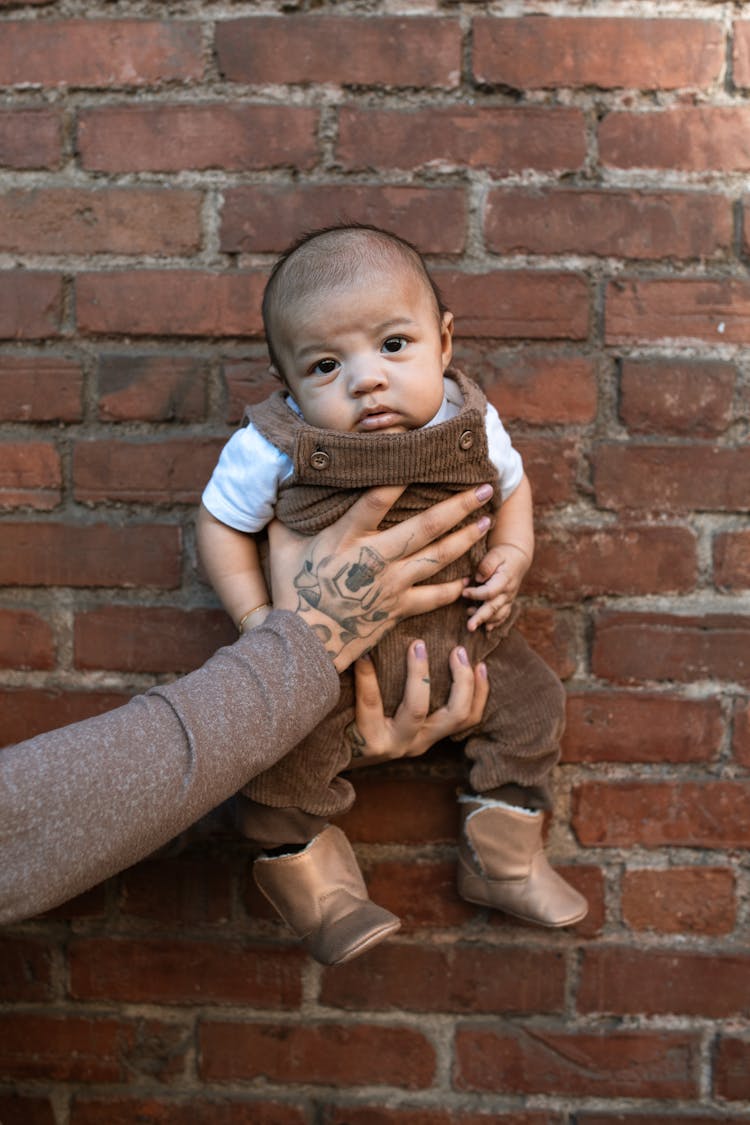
(349, 595)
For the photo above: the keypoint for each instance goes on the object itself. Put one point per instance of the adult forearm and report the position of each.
(80, 803)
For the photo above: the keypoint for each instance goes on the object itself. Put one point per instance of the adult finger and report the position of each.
(415, 704)
(367, 513)
(468, 708)
(369, 717)
(410, 536)
(466, 701)
(423, 562)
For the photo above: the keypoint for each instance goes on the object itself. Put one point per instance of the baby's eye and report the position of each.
(325, 366)
(394, 344)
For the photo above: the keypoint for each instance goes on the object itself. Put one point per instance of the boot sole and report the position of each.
(367, 943)
(524, 917)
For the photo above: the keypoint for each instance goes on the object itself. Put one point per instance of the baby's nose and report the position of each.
(365, 377)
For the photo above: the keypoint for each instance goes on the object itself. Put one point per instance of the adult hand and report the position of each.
(412, 730)
(351, 583)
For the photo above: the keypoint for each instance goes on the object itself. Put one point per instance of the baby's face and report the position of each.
(368, 357)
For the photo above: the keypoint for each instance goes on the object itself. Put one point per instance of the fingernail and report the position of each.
(483, 523)
(420, 649)
(482, 669)
(462, 654)
(366, 656)
(484, 492)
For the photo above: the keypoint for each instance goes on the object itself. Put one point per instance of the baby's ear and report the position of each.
(274, 372)
(446, 338)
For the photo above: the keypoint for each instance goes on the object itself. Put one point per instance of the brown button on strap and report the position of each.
(466, 440)
(320, 459)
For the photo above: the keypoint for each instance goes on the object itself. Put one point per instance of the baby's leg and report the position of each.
(308, 870)
(518, 743)
(273, 828)
(501, 862)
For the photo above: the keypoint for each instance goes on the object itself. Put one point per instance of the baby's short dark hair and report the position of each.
(332, 256)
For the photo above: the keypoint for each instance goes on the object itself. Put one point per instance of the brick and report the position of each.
(685, 138)
(387, 1115)
(262, 218)
(537, 388)
(88, 1110)
(589, 881)
(26, 712)
(171, 138)
(741, 735)
(741, 53)
(407, 811)
(731, 558)
(25, 970)
(575, 562)
(510, 304)
(553, 635)
(621, 726)
(30, 475)
(170, 303)
(30, 138)
(149, 639)
(153, 388)
(106, 221)
(657, 982)
(652, 1118)
(551, 465)
(26, 641)
(40, 389)
(319, 1054)
(30, 304)
(184, 972)
(732, 1068)
(710, 814)
(341, 50)
(500, 139)
(468, 979)
(98, 52)
(681, 900)
(677, 396)
(64, 1048)
(611, 1063)
(420, 892)
(149, 472)
(22, 1109)
(671, 478)
(637, 647)
(621, 224)
(58, 554)
(187, 891)
(247, 381)
(683, 310)
(646, 54)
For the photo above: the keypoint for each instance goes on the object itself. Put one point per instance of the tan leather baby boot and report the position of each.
(501, 864)
(321, 895)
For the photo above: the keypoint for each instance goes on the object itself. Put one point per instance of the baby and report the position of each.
(362, 342)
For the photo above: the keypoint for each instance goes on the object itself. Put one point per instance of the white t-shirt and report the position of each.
(244, 487)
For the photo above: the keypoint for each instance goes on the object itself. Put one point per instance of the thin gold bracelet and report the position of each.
(250, 612)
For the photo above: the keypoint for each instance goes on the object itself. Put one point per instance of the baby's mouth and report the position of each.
(377, 418)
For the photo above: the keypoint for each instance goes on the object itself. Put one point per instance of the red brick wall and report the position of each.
(578, 183)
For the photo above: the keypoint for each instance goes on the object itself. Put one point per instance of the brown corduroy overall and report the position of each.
(518, 738)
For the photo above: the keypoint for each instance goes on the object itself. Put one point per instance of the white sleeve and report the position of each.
(503, 456)
(244, 485)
